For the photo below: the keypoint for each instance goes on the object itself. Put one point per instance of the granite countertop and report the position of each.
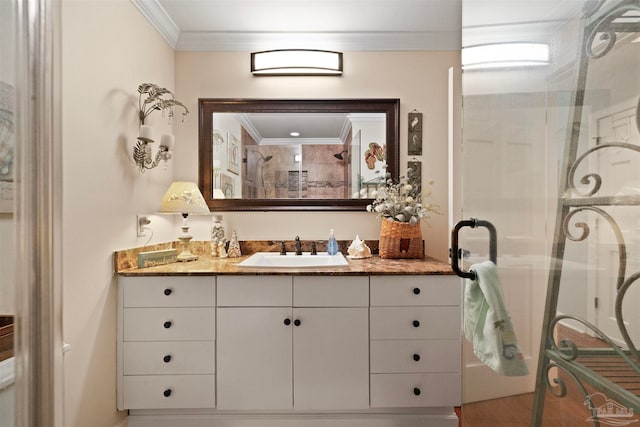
(205, 265)
(125, 264)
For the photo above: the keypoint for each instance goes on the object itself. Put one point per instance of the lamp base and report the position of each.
(185, 253)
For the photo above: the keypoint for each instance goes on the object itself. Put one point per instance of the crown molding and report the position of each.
(159, 19)
(344, 41)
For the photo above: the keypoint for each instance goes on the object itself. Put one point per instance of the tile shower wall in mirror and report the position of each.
(297, 156)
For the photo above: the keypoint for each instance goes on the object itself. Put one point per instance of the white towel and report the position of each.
(487, 324)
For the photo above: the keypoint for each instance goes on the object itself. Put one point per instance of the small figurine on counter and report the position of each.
(222, 253)
(217, 237)
(234, 246)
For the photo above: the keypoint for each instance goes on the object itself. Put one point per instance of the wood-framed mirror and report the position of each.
(296, 154)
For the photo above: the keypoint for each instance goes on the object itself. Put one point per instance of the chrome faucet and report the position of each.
(298, 246)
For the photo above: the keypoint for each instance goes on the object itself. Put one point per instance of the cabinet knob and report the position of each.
(297, 322)
(416, 291)
(168, 324)
(287, 321)
(167, 358)
(416, 357)
(416, 391)
(416, 323)
(167, 392)
(168, 291)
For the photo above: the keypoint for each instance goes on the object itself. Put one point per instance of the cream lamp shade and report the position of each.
(183, 197)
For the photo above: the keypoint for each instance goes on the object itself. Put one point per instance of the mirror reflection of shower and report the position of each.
(340, 156)
(264, 159)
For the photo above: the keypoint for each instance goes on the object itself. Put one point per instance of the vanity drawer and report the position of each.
(415, 323)
(404, 356)
(255, 291)
(169, 324)
(323, 291)
(415, 290)
(169, 391)
(170, 357)
(168, 291)
(408, 390)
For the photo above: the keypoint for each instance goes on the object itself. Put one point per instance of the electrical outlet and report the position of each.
(142, 221)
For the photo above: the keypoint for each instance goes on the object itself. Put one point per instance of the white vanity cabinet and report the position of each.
(296, 342)
(238, 350)
(415, 324)
(166, 342)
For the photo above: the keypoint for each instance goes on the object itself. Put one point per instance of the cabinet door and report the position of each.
(254, 358)
(331, 358)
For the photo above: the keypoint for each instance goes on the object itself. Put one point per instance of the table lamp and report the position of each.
(184, 198)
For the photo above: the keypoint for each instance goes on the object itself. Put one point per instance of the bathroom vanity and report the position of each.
(209, 344)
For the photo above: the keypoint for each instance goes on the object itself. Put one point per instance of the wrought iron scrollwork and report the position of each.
(622, 248)
(559, 388)
(593, 178)
(568, 350)
(606, 30)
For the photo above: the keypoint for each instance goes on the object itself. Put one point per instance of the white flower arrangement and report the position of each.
(401, 201)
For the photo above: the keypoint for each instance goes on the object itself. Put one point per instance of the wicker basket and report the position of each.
(400, 240)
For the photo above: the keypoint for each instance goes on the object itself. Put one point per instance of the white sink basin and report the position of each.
(291, 260)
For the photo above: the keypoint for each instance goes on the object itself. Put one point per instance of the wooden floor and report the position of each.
(516, 411)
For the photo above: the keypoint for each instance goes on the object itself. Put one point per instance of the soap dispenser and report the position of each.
(332, 244)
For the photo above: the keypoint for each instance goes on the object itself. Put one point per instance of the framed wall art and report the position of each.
(415, 134)
(7, 146)
(416, 174)
(233, 154)
(226, 185)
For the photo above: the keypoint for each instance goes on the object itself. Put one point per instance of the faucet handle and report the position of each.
(314, 249)
(283, 250)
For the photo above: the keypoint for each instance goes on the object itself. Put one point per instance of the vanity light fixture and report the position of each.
(184, 198)
(505, 55)
(296, 62)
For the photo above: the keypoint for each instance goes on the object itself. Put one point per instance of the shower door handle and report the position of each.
(455, 252)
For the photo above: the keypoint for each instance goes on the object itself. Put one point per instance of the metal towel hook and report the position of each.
(454, 252)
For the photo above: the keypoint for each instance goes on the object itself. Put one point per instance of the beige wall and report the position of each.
(108, 49)
(419, 79)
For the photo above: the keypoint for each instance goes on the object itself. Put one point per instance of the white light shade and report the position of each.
(218, 194)
(146, 133)
(296, 62)
(167, 141)
(183, 197)
(505, 55)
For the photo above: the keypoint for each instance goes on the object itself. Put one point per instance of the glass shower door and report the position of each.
(515, 116)
(552, 158)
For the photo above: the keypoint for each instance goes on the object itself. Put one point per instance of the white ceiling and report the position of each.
(251, 25)
(351, 25)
